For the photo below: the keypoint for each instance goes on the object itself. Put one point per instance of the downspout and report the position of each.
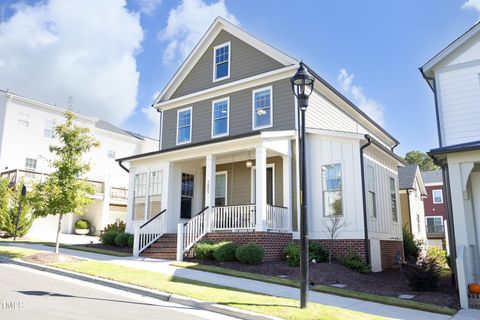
(395, 145)
(160, 113)
(122, 166)
(437, 112)
(409, 210)
(364, 196)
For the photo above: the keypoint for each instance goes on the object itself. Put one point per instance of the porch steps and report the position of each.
(163, 248)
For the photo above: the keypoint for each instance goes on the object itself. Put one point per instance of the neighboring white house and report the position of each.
(227, 167)
(412, 193)
(26, 131)
(454, 76)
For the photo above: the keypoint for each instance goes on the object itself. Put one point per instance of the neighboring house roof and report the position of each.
(101, 124)
(433, 176)
(408, 178)
(288, 62)
(430, 64)
(468, 146)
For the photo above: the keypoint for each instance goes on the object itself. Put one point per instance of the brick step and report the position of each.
(166, 256)
(161, 244)
(160, 250)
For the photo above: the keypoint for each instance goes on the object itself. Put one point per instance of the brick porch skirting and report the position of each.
(388, 252)
(272, 242)
(341, 247)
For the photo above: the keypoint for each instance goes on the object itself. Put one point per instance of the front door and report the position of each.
(186, 201)
(270, 186)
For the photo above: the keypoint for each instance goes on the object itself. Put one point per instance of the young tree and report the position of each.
(66, 190)
(334, 226)
(9, 203)
(421, 159)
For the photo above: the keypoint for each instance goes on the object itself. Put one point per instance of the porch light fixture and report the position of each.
(302, 86)
(249, 162)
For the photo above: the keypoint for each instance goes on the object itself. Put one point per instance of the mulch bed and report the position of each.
(48, 258)
(125, 249)
(390, 282)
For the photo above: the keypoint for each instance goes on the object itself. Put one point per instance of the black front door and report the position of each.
(270, 186)
(186, 196)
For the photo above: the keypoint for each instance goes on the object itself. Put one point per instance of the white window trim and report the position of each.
(226, 184)
(191, 125)
(213, 118)
(253, 180)
(375, 192)
(433, 196)
(343, 193)
(215, 63)
(433, 217)
(271, 108)
(396, 198)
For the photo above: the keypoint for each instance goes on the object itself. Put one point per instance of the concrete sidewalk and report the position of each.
(164, 267)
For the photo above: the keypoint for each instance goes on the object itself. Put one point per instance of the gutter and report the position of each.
(364, 196)
(122, 166)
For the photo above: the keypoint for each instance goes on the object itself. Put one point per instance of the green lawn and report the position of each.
(278, 307)
(320, 288)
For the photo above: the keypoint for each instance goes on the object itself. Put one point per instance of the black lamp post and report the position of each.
(24, 193)
(302, 86)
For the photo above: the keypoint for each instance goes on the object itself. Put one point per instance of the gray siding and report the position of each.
(246, 61)
(240, 114)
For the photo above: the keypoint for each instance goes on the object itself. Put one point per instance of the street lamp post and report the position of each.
(302, 86)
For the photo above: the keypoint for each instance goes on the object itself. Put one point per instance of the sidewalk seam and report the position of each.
(200, 304)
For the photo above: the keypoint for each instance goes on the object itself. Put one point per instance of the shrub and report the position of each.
(131, 238)
(225, 251)
(437, 256)
(353, 261)
(9, 201)
(317, 252)
(423, 275)
(108, 237)
(121, 239)
(118, 226)
(411, 247)
(250, 253)
(291, 253)
(82, 224)
(204, 250)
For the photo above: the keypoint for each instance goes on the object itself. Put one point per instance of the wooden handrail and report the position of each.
(150, 220)
(235, 205)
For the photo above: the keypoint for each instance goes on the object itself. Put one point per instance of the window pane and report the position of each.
(220, 117)
(262, 115)
(138, 208)
(154, 206)
(30, 163)
(222, 70)
(393, 200)
(184, 134)
(371, 205)
(332, 189)
(220, 127)
(184, 126)
(220, 185)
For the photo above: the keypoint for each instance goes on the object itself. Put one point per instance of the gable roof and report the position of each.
(218, 25)
(107, 126)
(434, 176)
(454, 45)
(408, 175)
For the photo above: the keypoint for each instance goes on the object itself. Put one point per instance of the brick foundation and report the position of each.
(388, 252)
(272, 242)
(341, 247)
(474, 301)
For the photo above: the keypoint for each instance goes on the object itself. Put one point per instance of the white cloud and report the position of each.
(371, 107)
(148, 7)
(83, 49)
(153, 117)
(471, 4)
(186, 25)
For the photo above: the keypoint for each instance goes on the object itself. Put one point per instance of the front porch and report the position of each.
(213, 193)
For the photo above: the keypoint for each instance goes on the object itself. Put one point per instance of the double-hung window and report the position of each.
(139, 196)
(221, 62)
(437, 196)
(262, 108)
(23, 120)
(435, 224)
(154, 193)
(221, 188)
(371, 200)
(30, 164)
(184, 125)
(49, 128)
(220, 114)
(332, 189)
(393, 200)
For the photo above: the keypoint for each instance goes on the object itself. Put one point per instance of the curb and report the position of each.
(199, 304)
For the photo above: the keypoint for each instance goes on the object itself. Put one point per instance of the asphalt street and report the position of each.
(36, 295)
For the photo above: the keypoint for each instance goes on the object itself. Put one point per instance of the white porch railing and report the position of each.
(189, 233)
(148, 233)
(233, 217)
(277, 218)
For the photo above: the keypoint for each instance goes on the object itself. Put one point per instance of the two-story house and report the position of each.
(27, 131)
(435, 209)
(454, 76)
(227, 168)
(412, 195)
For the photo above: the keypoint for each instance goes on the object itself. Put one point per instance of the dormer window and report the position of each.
(221, 62)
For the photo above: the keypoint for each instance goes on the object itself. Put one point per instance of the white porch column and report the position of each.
(210, 171)
(287, 188)
(106, 202)
(261, 188)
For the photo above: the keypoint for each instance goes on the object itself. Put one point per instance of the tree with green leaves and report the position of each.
(9, 202)
(421, 159)
(66, 189)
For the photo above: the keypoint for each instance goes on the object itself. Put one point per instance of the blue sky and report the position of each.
(381, 43)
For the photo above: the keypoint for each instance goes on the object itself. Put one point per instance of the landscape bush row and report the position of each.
(114, 235)
(249, 253)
